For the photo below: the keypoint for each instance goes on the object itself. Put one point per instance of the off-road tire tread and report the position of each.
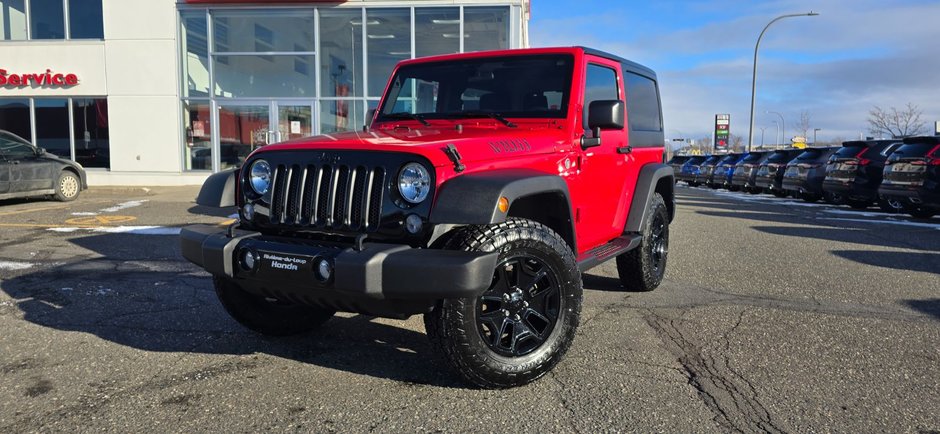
(248, 310)
(633, 267)
(462, 348)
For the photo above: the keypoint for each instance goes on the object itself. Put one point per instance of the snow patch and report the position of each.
(124, 205)
(135, 230)
(14, 266)
(886, 222)
(84, 213)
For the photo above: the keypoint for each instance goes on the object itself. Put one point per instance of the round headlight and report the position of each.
(414, 183)
(259, 176)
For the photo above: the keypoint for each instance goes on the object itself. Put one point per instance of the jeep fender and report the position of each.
(473, 199)
(218, 190)
(653, 178)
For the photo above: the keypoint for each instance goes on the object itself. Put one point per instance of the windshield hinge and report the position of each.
(454, 155)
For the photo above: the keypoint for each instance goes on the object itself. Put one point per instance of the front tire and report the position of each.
(892, 206)
(523, 325)
(643, 268)
(67, 186)
(267, 316)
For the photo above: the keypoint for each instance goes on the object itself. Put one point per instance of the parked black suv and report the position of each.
(805, 174)
(769, 176)
(745, 172)
(912, 176)
(855, 172)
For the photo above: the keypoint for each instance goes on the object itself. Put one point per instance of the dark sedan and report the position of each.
(805, 174)
(29, 171)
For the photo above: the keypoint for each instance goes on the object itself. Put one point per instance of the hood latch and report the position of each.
(454, 156)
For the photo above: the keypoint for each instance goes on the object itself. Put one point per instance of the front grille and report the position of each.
(339, 197)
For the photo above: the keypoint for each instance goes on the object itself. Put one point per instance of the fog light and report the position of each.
(324, 270)
(413, 223)
(248, 212)
(248, 260)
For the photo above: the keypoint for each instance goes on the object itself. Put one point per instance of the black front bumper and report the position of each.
(382, 279)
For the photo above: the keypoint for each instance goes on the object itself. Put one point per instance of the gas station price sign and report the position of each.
(722, 128)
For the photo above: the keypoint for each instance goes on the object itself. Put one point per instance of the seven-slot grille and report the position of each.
(328, 196)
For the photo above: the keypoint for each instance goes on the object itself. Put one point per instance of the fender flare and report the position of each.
(646, 185)
(473, 198)
(218, 190)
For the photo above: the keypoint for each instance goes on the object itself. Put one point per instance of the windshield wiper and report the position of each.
(406, 115)
(478, 113)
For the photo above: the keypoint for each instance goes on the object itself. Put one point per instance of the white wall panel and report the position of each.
(145, 133)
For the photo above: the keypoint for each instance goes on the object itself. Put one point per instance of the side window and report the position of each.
(642, 103)
(600, 84)
(14, 150)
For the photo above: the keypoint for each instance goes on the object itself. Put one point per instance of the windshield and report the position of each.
(536, 86)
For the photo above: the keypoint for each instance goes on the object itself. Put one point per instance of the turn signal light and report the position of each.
(503, 204)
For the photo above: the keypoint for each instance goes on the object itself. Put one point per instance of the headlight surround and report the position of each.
(414, 183)
(259, 177)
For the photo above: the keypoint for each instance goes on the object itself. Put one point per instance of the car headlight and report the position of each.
(414, 183)
(259, 177)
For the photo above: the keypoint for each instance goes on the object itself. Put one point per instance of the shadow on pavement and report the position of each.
(930, 307)
(923, 262)
(142, 295)
(602, 283)
(212, 211)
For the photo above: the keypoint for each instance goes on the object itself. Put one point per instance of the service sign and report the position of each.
(722, 131)
(48, 79)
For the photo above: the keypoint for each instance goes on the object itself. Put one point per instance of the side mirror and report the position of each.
(40, 151)
(603, 115)
(606, 115)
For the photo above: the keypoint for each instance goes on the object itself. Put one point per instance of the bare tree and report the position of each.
(803, 126)
(896, 123)
(737, 143)
(704, 144)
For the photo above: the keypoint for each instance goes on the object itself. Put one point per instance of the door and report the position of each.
(294, 120)
(602, 207)
(243, 127)
(27, 171)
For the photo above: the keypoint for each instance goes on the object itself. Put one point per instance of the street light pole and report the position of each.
(783, 126)
(814, 134)
(777, 134)
(762, 136)
(750, 132)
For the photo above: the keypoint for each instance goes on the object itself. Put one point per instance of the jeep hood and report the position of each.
(473, 144)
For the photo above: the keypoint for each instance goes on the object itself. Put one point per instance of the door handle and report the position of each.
(625, 149)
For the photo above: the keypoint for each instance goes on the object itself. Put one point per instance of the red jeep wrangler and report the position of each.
(486, 184)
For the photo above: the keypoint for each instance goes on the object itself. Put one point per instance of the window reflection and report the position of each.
(389, 42)
(252, 31)
(12, 20)
(52, 126)
(14, 117)
(195, 45)
(486, 28)
(198, 126)
(264, 76)
(340, 115)
(341, 53)
(47, 19)
(242, 129)
(85, 19)
(90, 119)
(437, 31)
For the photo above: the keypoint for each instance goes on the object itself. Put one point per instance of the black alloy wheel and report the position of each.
(643, 268)
(891, 205)
(519, 311)
(658, 242)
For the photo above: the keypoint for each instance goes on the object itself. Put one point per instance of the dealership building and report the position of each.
(166, 92)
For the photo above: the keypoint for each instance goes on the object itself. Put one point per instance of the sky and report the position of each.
(835, 67)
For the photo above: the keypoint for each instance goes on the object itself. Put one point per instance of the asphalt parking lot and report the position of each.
(775, 315)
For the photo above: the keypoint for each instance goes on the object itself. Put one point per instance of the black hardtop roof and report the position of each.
(627, 64)
(869, 143)
(922, 139)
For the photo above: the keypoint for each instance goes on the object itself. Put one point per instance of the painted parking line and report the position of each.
(100, 220)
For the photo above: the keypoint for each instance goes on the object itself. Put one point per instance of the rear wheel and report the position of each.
(919, 212)
(67, 187)
(268, 316)
(642, 268)
(891, 205)
(524, 323)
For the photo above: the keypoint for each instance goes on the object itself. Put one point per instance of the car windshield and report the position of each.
(850, 151)
(530, 86)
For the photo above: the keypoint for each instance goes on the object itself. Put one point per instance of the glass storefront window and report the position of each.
(388, 33)
(198, 130)
(90, 121)
(264, 76)
(195, 48)
(52, 126)
(12, 20)
(340, 115)
(14, 117)
(437, 31)
(294, 122)
(242, 129)
(253, 31)
(485, 28)
(341, 52)
(85, 19)
(47, 19)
